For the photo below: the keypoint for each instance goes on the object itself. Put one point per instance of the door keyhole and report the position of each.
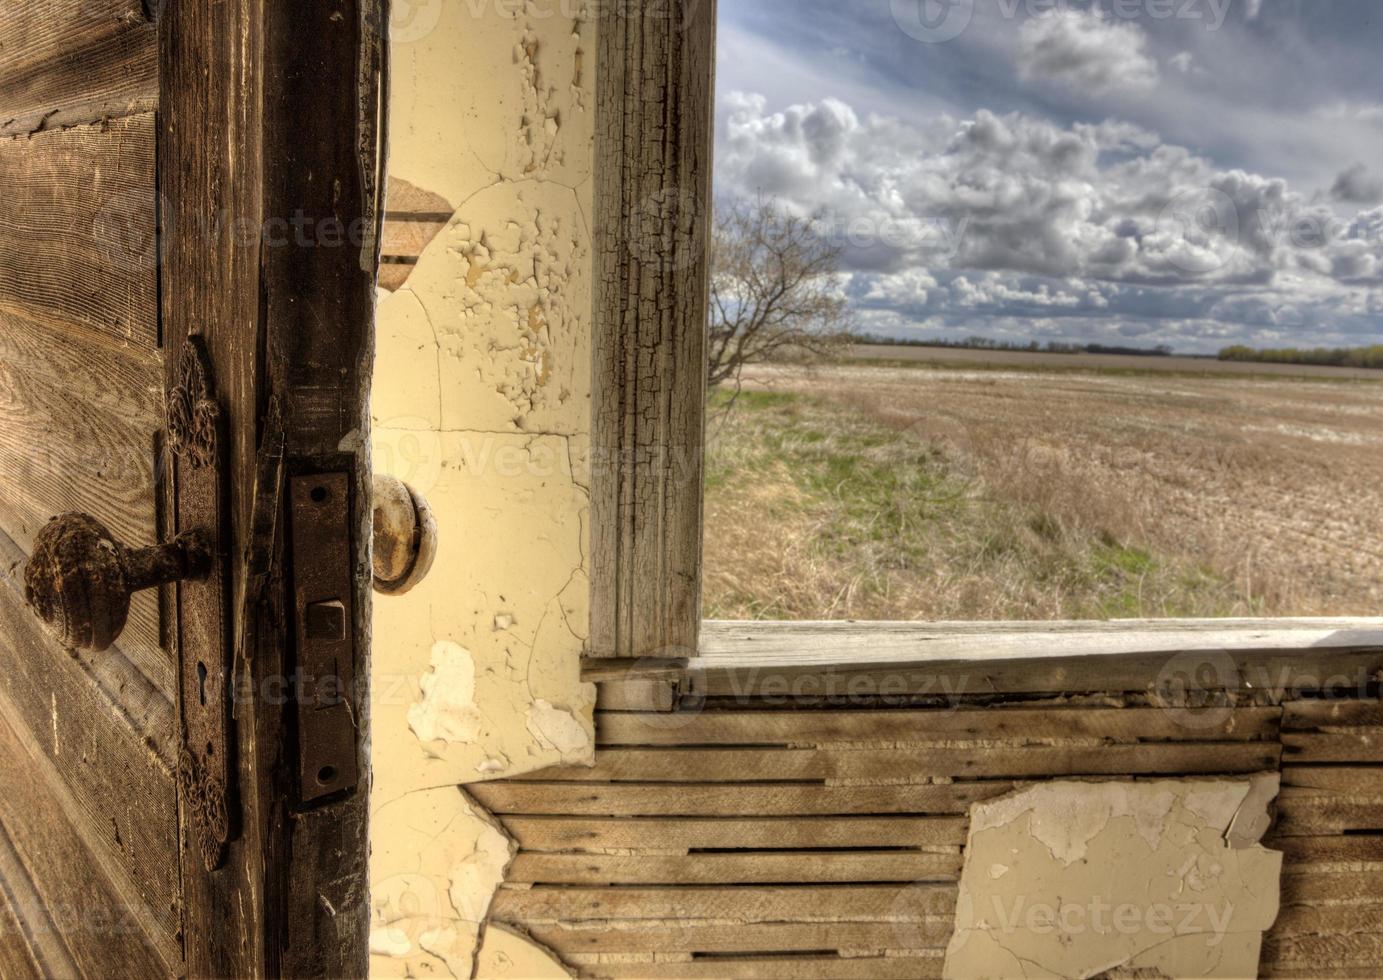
(201, 682)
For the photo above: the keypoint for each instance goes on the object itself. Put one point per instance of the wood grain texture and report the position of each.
(108, 734)
(538, 834)
(1312, 813)
(77, 231)
(730, 765)
(816, 727)
(723, 798)
(64, 62)
(931, 933)
(730, 799)
(1306, 854)
(761, 903)
(748, 867)
(68, 446)
(654, 121)
(109, 924)
(892, 967)
(1333, 731)
(956, 660)
(30, 946)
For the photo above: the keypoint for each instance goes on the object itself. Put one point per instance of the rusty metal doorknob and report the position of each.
(80, 579)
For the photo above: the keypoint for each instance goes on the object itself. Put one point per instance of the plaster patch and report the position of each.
(506, 955)
(1137, 877)
(436, 874)
(447, 711)
(559, 728)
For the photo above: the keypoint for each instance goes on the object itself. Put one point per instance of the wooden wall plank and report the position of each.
(1311, 813)
(77, 231)
(730, 765)
(654, 122)
(809, 727)
(932, 933)
(1333, 731)
(109, 926)
(1321, 888)
(71, 62)
(690, 833)
(749, 867)
(909, 901)
(1306, 853)
(729, 799)
(853, 967)
(651, 694)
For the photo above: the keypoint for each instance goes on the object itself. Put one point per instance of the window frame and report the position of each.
(655, 118)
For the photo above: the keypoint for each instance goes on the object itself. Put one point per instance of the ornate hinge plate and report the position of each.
(205, 766)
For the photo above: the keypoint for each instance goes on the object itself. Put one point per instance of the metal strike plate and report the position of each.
(324, 611)
(196, 437)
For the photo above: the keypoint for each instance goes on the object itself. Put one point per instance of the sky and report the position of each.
(1190, 173)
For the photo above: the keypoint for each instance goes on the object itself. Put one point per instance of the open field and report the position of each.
(1024, 361)
(875, 491)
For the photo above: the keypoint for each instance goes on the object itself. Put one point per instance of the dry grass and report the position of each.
(920, 493)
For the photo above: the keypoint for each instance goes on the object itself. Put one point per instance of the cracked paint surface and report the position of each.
(1071, 879)
(481, 402)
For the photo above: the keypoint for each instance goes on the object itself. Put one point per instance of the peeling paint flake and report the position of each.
(559, 728)
(1069, 879)
(447, 711)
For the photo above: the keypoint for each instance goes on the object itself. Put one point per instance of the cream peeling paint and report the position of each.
(435, 872)
(1073, 880)
(481, 402)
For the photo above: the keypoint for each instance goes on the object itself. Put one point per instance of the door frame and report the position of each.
(269, 238)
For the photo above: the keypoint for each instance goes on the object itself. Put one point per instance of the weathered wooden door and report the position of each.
(188, 205)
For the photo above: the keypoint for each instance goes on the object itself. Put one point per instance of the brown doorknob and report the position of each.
(405, 535)
(79, 578)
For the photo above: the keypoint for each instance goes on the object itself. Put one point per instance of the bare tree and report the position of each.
(773, 290)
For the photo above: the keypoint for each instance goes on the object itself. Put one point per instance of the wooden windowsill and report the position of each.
(1035, 657)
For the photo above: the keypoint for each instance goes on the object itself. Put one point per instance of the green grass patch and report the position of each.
(903, 530)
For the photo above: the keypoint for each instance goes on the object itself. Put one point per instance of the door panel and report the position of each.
(77, 214)
(101, 917)
(85, 447)
(107, 736)
(149, 149)
(71, 61)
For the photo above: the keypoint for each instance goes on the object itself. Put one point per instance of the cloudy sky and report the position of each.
(1185, 172)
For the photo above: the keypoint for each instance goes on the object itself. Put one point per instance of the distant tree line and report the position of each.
(1031, 347)
(1355, 357)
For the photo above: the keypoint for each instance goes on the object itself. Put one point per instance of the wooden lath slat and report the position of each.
(729, 800)
(930, 933)
(674, 780)
(748, 867)
(693, 833)
(730, 765)
(908, 901)
(814, 727)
